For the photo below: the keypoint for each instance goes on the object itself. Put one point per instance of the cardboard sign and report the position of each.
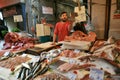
(96, 74)
(47, 10)
(71, 75)
(18, 18)
(81, 14)
(42, 30)
(72, 61)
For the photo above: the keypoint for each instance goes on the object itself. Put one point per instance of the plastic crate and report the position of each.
(43, 39)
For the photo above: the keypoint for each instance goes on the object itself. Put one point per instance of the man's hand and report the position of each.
(53, 43)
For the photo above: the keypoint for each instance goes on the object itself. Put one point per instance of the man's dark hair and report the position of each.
(62, 13)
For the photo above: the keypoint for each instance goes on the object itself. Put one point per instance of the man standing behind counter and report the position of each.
(62, 28)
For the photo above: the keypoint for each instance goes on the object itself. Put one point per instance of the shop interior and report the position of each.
(59, 40)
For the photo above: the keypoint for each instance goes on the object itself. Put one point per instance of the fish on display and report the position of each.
(101, 63)
(31, 70)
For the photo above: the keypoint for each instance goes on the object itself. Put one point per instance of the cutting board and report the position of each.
(38, 48)
(44, 45)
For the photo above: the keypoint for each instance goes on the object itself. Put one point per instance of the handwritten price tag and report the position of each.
(35, 59)
(72, 61)
(96, 74)
(72, 76)
(76, 51)
(64, 59)
(6, 53)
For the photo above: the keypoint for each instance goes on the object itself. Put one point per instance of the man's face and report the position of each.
(64, 17)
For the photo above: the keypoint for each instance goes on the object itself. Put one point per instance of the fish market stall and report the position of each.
(96, 60)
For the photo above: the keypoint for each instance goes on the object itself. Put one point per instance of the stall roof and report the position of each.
(6, 3)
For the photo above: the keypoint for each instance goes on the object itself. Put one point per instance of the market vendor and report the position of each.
(62, 28)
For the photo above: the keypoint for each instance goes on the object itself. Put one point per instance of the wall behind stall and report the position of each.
(35, 14)
(67, 6)
(114, 23)
(8, 8)
(98, 16)
(34, 11)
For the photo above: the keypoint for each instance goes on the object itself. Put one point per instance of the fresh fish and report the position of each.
(20, 72)
(115, 77)
(43, 54)
(29, 76)
(105, 47)
(23, 74)
(41, 60)
(102, 63)
(7, 55)
(110, 40)
(34, 67)
(42, 71)
(37, 68)
(31, 65)
(26, 65)
(3, 58)
(54, 76)
(27, 72)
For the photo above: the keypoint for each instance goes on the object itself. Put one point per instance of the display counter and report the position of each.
(55, 62)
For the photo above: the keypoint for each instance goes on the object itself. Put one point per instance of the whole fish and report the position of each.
(42, 71)
(20, 72)
(101, 63)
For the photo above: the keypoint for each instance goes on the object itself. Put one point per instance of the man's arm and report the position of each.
(70, 27)
(54, 38)
(72, 20)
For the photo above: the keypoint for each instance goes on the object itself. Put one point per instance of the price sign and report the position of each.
(72, 61)
(72, 76)
(6, 53)
(76, 51)
(64, 59)
(96, 74)
(35, 58)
